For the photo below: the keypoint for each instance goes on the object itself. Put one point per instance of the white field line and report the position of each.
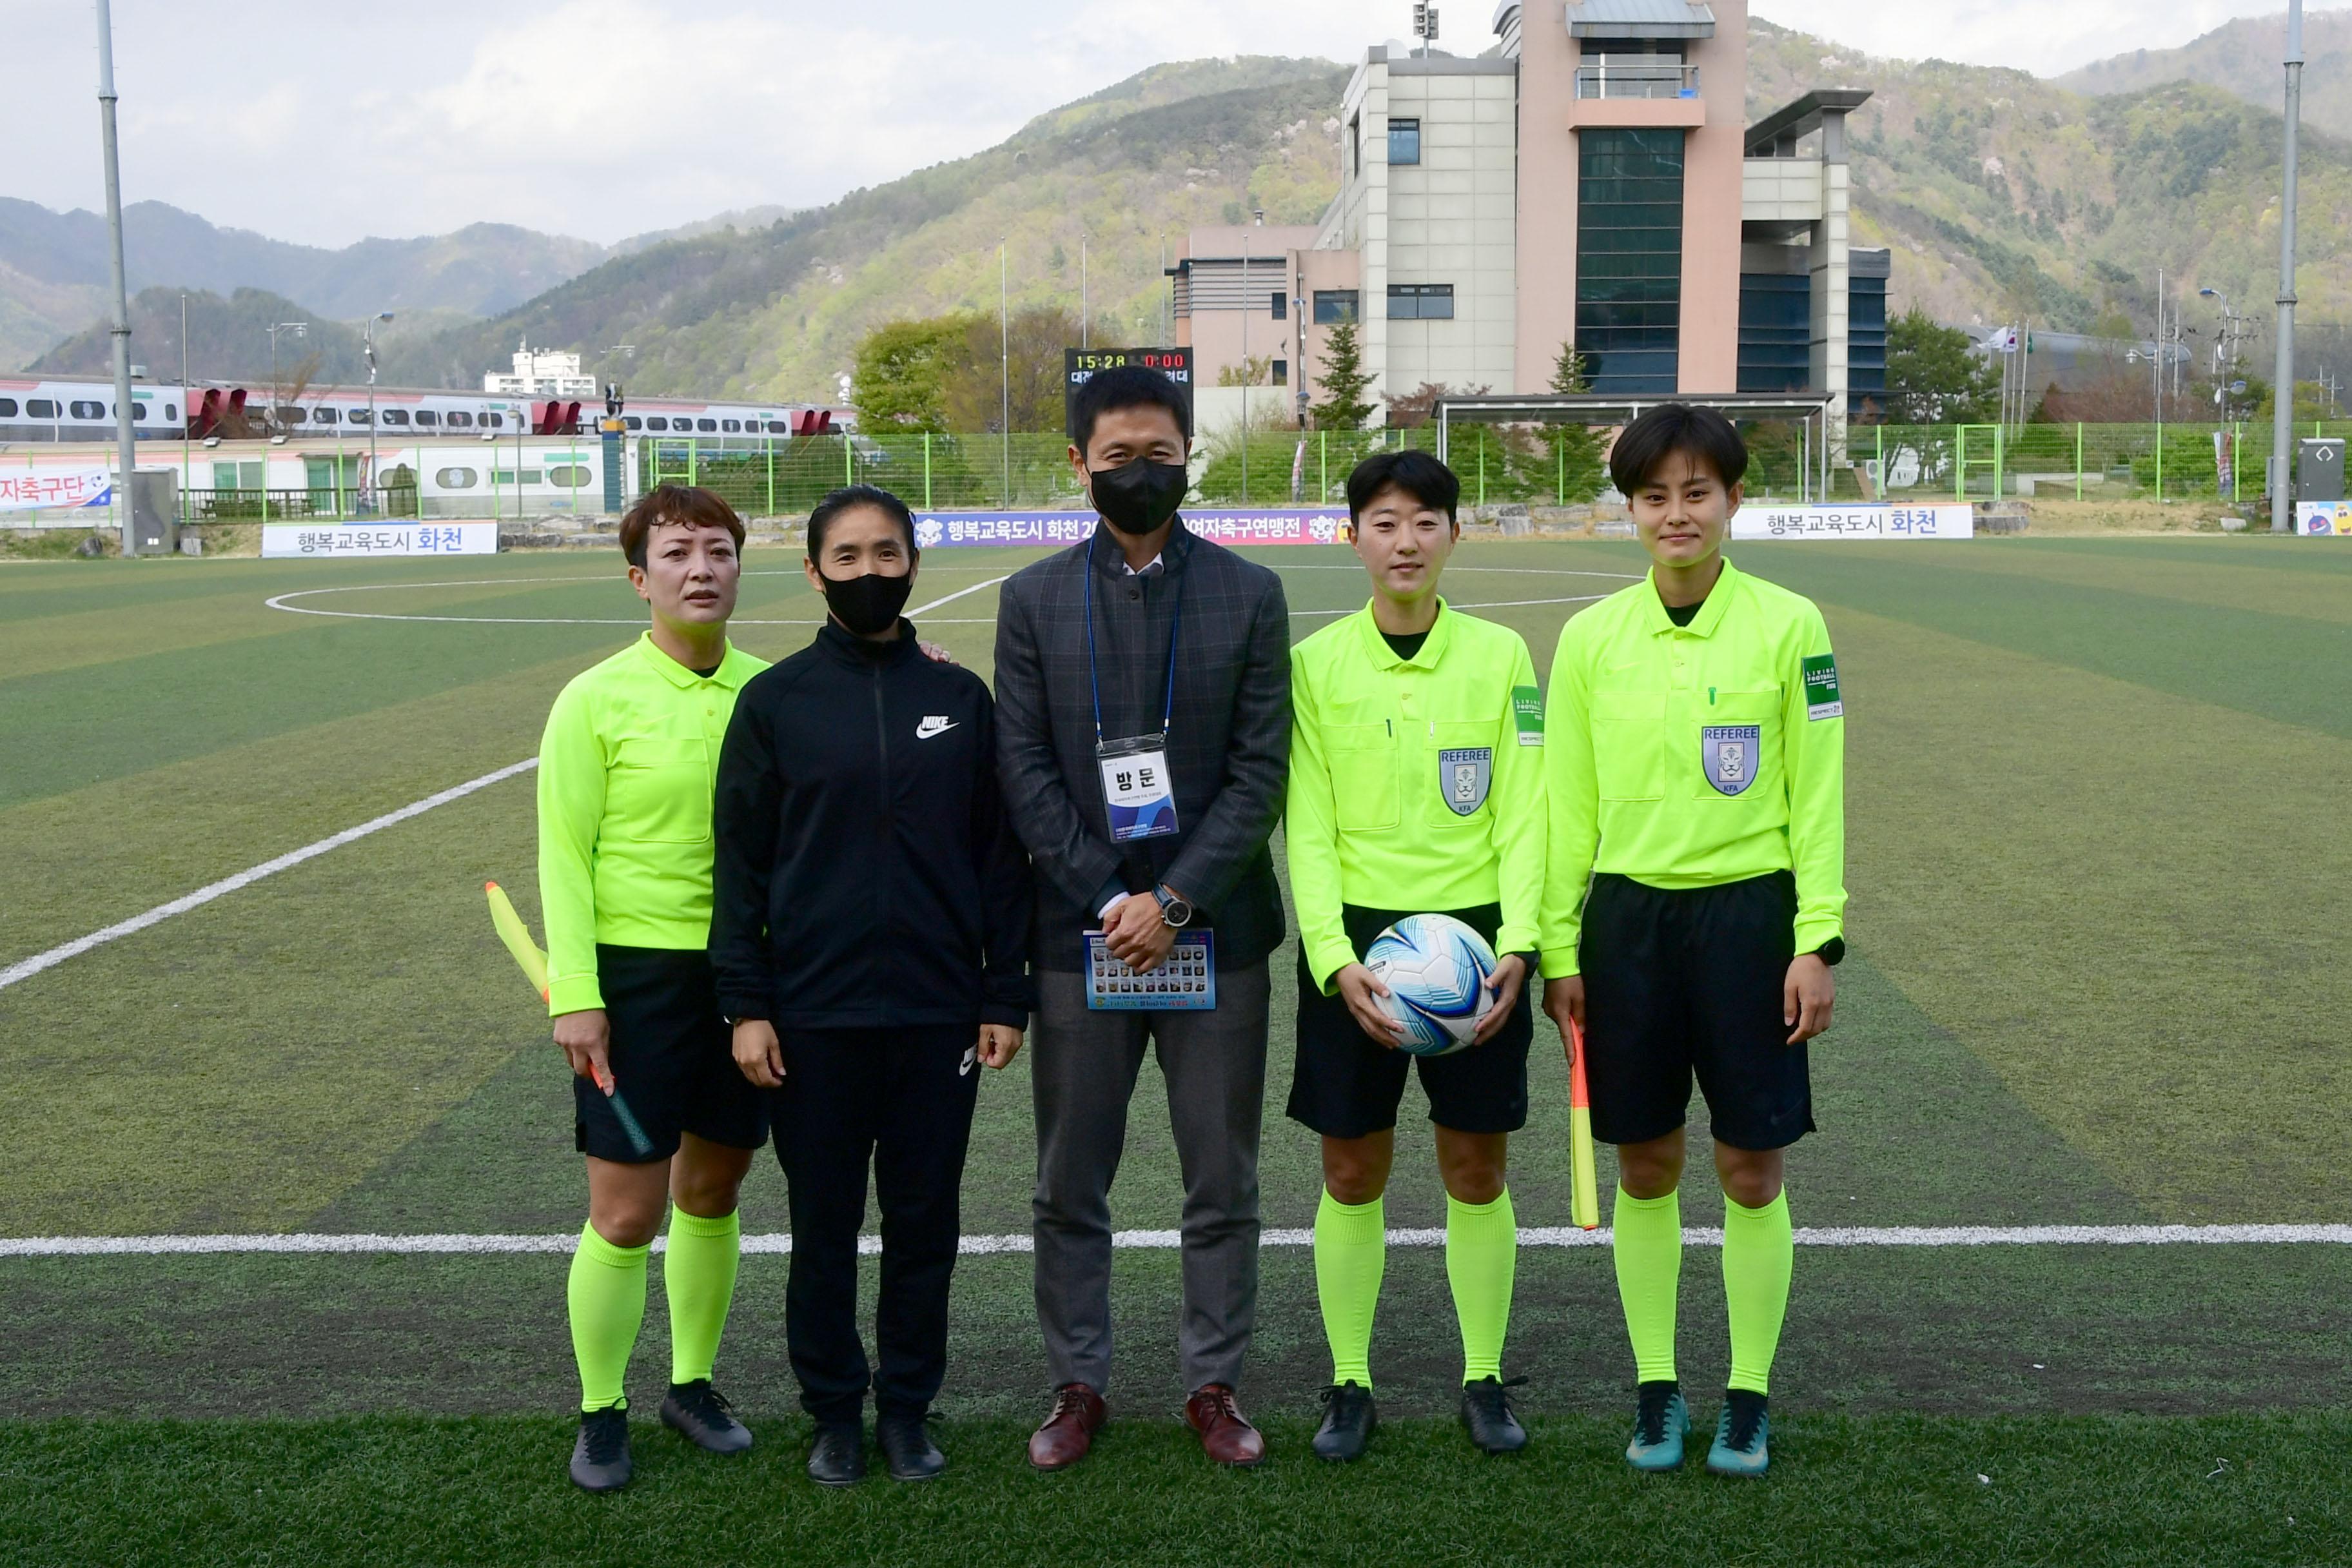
(26, 969)
(1166, 1240)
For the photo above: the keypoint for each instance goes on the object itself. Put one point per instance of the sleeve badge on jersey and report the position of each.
(1464, 776)
(1527, 711)
(1821, 699)
(1727, 754)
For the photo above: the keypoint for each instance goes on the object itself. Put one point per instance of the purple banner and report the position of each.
(1305, 525)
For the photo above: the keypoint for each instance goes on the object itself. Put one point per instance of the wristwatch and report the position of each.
(1173, 910)
(1831, 953)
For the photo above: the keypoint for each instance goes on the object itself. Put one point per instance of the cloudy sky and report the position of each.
(605, 118)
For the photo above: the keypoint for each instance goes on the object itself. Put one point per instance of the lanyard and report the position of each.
(1093, 680)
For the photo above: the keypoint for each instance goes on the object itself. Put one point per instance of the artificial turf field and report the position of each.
(2101, 965)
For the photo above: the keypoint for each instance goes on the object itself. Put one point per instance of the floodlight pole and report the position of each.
(369, 494)
(1082, 287)
(1246, 365)
(123, 434)
(2283, 393)
(1005, 364)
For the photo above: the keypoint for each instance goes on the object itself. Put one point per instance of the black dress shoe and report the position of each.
(702, 1415)
(907, 1451)
(838, 1456)
(1487, 1413)
(1349, 1421)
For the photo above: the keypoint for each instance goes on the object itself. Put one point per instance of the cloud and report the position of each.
(607, 118)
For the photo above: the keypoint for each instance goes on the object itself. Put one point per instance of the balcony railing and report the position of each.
(1637, 80)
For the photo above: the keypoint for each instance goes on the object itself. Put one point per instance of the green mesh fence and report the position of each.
(1536, 463)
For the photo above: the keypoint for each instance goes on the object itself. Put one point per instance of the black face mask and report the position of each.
(868, 605)
(1139, 496)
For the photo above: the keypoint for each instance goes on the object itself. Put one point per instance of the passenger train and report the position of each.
(81, 408)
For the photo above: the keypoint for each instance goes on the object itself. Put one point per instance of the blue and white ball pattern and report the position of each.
(1436, 968)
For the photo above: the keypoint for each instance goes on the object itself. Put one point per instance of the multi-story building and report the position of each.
(541, 372)
(1587, 184)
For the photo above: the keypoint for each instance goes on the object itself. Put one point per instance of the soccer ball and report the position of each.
(1436, 968)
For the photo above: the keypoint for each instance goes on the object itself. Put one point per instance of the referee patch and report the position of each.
(1821, 699)
(1527, 709)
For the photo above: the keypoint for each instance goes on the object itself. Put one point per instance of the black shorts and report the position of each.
(1346, 1084)
(673, 1060)
(1684, 982)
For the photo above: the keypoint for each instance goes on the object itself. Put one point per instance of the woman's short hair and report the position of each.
(688, 505)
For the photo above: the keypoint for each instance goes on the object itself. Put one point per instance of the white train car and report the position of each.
(49, 410)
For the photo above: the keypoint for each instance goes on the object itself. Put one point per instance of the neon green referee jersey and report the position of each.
(1692, 756)
(626, 771)
(1415, 784)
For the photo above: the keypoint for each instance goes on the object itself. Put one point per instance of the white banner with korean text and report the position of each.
(55, 488)
(1930, 519)
(352, 541)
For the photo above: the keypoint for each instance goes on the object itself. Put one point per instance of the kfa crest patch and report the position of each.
(1464, 776)
(1729, 755)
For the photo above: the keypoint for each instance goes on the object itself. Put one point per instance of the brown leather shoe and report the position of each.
(1070, 1427)
(1226, 1435)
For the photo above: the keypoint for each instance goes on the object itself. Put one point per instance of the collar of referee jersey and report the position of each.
(732, 672)
(1710, 613)
(1432, 648)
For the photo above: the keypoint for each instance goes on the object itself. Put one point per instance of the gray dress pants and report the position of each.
(1082, 1071)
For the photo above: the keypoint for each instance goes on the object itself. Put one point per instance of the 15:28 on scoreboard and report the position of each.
(1078, 364)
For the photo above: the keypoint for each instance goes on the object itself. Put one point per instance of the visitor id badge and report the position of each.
(1137, 790)
(1185, 981)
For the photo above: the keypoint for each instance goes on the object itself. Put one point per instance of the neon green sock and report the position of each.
(1649, 1253)
(699, 1273)
(1482, 1253)
(607, 1296)
(1351, 1252)
(1758, 1255)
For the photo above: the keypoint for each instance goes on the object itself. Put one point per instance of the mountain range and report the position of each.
(2003, 197)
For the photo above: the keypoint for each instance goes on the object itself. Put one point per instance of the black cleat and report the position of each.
(837, 1458)
(701, 1413)
(1486, 1414)
(907, 1451)
(1349, 1419)
(600, 1459)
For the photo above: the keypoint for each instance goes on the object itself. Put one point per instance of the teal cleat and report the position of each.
(1741, 1447)
(1661, 1422)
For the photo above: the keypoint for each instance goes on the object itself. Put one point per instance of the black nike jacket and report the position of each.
(866, 876)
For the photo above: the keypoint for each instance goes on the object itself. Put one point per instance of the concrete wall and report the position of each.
(1452, 220)
(1546, 241)
(1714, 171)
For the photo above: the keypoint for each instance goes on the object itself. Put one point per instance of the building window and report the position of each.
(569, 477)
(1404, 141)
(506, 476)
(1629, 259)
(456, 479)
(1279, 305)
(1865, 340)
(1282, 372)
(1356, 146)
(1333, 306)
(1421, 301)
(1776, 332)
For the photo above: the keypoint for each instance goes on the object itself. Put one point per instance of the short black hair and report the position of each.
(848, 497)
(1417, 474)
(1127, 386)
(1690, 429)
(689, 506)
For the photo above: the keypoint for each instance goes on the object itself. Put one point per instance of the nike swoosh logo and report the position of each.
(971, 1055)
(934, 725)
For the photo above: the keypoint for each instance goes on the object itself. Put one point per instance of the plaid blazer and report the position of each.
(1228, 742)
